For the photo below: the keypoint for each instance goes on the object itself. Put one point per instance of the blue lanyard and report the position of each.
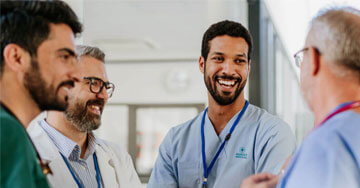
(206, 169)
(73, 174)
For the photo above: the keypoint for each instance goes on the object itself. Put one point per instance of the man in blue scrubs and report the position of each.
(231, 139)
(330, 80)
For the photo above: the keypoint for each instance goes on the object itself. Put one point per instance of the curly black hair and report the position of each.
(225, 27)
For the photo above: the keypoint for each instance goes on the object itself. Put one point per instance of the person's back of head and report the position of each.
(330, 71)
(336, 32)
(27, 23)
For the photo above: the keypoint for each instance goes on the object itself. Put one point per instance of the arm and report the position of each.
(163, 175)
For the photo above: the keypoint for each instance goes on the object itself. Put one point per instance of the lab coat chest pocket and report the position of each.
(189, 174)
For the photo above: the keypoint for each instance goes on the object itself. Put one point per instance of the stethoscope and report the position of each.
(73, 174)
(207, 170)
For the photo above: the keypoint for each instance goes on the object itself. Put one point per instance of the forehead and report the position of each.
(60, 36)
(229, 45)
(92, 67)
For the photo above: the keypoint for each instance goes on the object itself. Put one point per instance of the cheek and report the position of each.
(244, 72)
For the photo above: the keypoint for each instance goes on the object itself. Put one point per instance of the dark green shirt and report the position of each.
(19, 164)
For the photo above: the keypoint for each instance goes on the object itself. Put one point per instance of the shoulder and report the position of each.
(182, 130)
(262, 117)
(267, 123)
(186, 126)
(11, 130)
(328, 149)
(9, 123)
(341, 134)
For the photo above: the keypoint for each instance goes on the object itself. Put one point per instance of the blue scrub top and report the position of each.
(329, 157)
(260, 143)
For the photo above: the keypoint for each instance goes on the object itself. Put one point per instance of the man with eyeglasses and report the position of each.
(77, 157)
(37, 68)
(330, 81)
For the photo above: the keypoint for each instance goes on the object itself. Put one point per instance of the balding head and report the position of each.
(336, 33)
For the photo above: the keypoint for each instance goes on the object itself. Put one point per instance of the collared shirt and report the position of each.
(84, 169)
(328, 157)
(260, 143)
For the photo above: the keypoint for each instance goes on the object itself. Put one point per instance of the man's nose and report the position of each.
(103, 95)
(228, 67)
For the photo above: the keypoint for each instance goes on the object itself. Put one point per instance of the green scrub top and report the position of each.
(19, 164)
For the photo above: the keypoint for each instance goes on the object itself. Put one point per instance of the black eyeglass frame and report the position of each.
(107, 85)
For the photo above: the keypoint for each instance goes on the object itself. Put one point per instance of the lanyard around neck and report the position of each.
(73, 174)
(206, 169)
(343, 107)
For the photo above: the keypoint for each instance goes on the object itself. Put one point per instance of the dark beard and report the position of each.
(223, 100)
(83, 120)
(45, 97)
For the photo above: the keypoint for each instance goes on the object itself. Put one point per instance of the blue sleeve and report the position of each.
(323, 161)
(274, 146)
(163, 174)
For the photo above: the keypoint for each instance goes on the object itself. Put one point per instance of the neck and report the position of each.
(60, 123)
(220, 115)
(18, 100)
(332, 96)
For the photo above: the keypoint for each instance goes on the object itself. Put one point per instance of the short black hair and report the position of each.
(225, 27)
(27, 23)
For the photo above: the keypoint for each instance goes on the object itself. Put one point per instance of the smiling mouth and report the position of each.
(95, 108)
(226, 82)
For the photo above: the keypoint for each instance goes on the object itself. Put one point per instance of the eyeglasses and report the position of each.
(96, 85)
(299, 56)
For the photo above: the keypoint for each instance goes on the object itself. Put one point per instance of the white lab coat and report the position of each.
(115, 164)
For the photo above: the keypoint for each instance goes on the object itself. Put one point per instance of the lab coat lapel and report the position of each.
(61, 176)
(106, 166)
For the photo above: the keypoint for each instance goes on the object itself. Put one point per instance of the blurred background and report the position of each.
(152, 48)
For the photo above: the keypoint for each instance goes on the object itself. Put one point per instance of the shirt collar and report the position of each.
(70, 149)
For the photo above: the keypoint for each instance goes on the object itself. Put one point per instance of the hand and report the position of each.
(263, 180)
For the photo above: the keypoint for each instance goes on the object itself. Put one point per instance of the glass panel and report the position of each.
(152, 126)
(114, 126)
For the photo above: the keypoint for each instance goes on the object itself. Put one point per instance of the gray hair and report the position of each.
(91, 51)
(337, 33)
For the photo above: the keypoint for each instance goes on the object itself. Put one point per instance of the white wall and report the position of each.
(152, 46)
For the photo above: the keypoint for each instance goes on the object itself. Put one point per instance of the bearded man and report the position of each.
(231, 139)
(65, 139)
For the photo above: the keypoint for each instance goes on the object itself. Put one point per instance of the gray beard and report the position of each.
(81, 119)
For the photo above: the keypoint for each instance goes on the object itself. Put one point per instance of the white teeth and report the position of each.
(97, 108)
(227, 83)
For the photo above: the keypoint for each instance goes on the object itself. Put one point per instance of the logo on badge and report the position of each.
(242, 154)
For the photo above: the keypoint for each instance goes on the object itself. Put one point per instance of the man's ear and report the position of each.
(315, 61)
(16, 58)
(201, 64)
(249, 66)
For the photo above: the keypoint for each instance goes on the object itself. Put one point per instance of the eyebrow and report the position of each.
(95, 78)
(237, 55)
(241, 55)
(68, 50)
